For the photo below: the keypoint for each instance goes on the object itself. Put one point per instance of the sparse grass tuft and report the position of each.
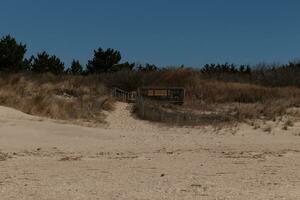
(287, 124)
(268, 129)
(285, 127)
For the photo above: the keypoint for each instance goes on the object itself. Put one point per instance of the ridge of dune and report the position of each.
(11, 113)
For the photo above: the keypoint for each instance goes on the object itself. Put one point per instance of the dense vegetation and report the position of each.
(43, 85)
(12, 60)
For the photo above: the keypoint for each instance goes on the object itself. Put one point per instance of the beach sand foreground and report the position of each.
(134, 159)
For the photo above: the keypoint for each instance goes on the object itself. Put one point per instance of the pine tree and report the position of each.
(11, 55)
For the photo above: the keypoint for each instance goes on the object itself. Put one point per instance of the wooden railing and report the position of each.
(173, 95)
(123, 95)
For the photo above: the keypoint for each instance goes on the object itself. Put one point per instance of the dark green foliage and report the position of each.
(27, 64)
(227, 72)
(225, 68)
(129, 76)
(103, 61)
(76, 68)
(44, 63)
(11, 55)
(277, 76)
(148, 68)
(261, 74)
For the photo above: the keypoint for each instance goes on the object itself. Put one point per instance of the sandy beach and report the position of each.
(132, 159)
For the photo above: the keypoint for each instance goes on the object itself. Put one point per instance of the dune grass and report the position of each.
(70, 97)
(211, 102)
(58, 97)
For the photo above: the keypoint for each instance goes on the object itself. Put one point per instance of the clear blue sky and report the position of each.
(163, 32)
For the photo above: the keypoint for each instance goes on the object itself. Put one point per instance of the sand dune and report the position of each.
(12, 114)
(133, 159)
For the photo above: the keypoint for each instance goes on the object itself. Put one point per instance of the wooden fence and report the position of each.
(173, 95)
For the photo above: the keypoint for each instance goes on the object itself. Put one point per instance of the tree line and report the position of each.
(12, 60)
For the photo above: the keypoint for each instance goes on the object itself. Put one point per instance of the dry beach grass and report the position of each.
(65, 97)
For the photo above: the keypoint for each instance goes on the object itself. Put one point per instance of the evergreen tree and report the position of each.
(44, 63)
(11, 55)
(103, 61)
(147, 68)
(76, 68)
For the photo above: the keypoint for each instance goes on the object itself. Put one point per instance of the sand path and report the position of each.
(122, 119)
(133, 159)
